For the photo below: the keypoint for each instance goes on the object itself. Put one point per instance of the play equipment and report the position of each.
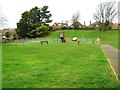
(63, 37)
(78, 41)
(98, 41)
(74, 38)
(84, 40)
(56, 39)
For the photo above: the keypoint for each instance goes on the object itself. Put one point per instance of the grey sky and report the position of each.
(119, 12)
(61, 10)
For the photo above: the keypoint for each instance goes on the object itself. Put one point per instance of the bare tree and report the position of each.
(75, 18)
(119, 15)
(2, 21)
(119, 12)
(106, 13)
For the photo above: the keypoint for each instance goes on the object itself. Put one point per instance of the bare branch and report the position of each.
(3, 22)
(105, 12)
(75, 17)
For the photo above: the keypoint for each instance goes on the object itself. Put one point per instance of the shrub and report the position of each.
(39, 32)
(34, 33)
(7, 34)
(44, 30)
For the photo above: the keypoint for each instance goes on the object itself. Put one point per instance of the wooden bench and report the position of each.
(44, 42)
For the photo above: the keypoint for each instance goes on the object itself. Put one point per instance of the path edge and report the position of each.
(110, 64)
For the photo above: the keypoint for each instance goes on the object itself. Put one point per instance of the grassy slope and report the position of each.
(107, 37)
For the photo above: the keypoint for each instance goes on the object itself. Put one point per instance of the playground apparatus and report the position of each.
(63, 37)
(74, 38)
(82, 40)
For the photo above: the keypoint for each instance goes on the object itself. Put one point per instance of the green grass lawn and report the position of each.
(57, 65)
(107, 37)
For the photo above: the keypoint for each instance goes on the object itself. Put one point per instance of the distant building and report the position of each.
(94, 25)
(115, 26)
(11, 31)
(77, 25)
(57, 26)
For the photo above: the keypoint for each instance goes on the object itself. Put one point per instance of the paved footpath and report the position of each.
(113, 56)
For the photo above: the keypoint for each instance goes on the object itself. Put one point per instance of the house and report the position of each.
(115, 26)
(77, 25)
(11, 31)
(57, 26)
(97, 25)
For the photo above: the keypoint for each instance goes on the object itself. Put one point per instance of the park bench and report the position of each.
(44, 42)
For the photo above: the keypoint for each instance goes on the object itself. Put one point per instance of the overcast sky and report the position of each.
(61, 10)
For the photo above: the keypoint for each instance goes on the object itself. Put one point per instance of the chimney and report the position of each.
(84, 23)
(90, 22)
(62, 22)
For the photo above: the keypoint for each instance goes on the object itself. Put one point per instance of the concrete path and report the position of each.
(113, 58)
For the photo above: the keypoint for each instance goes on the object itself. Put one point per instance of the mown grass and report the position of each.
(58, 65)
